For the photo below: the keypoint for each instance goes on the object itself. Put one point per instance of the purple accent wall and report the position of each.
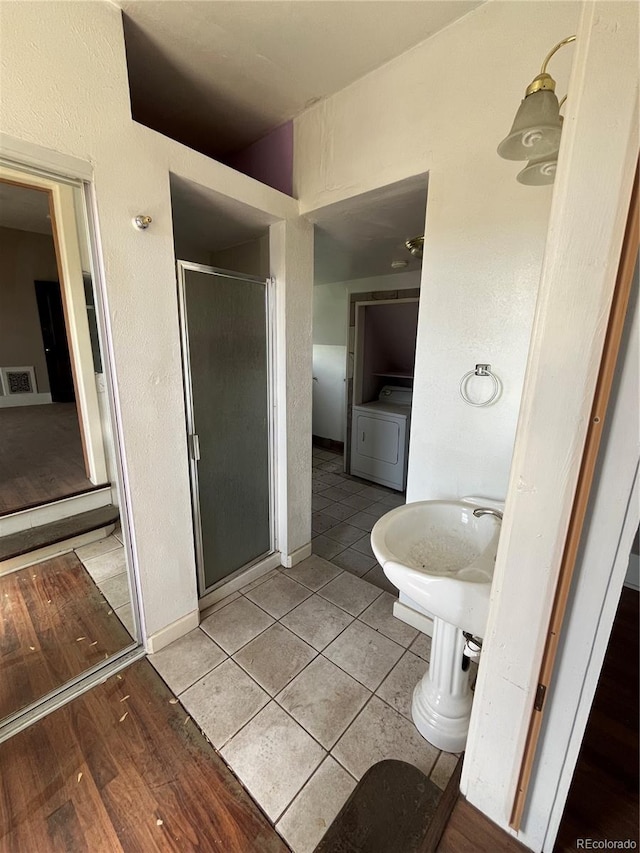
(389, 345)
(269, 160)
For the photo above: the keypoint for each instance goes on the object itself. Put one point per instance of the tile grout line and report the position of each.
(274, 698)
(244, 726)
(328, 755)
(326, 752)
(278, 621)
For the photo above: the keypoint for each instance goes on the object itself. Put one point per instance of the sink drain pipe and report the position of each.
(472, 649)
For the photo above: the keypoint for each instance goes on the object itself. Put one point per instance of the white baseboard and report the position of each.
(252, 574)
(32, 557)
(10, 401)
(165, 636)
(25, 519)
(632, 578)
(297, 556)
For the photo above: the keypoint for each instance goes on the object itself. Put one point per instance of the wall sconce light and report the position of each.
(542, 171)
(536, 129)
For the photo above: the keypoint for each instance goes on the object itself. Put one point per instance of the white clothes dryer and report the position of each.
(380, 438)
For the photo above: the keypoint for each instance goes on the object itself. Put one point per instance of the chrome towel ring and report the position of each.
(480, 370)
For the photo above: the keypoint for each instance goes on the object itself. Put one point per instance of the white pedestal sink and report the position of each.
(441, 556)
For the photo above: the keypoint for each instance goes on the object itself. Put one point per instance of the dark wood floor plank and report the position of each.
(150, 781)
(40, 790)
(469, 831)
(41, 457)
(603, 798)
(443, 813)
(65, 832)
(30, 540)
(55, 624)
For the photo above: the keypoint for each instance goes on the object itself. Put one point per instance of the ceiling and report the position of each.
(219, 74)
(360, 237)
(24, 209)
(357, 238)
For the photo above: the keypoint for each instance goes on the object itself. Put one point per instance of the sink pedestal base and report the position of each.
(441, 705)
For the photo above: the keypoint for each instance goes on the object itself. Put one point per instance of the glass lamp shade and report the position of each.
(536, 129)
(538, 173)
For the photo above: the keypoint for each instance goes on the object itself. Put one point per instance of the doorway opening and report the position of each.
(365, 300)
(67, 593)
(366, 292)
(46, 453)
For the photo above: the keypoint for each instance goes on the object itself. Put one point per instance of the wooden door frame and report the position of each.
(599, 415)
(586, 228)
(599, 576)
(68, 258)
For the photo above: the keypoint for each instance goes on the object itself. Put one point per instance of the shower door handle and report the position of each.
(194, 446)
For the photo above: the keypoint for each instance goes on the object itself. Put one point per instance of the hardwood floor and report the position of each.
(603, 798)
(469, 831)
(125, 768)
(54, 625)
(121, 768)
(40, 455)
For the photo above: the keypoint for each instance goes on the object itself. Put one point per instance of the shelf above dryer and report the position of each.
(395, 375)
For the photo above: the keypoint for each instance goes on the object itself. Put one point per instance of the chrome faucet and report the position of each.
(485, 510)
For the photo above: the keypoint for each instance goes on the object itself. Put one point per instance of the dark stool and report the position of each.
(388, 812)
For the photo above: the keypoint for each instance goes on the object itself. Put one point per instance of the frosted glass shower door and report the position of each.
(226, 348)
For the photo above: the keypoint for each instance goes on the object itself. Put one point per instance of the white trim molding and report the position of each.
(297, 556)
(610, 526)
(11, 401)
(32, 558)
(241, 579)
(165, 636)
(586, 228)
(21, 153)
(35, 516)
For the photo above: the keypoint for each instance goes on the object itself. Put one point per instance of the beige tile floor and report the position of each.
(105, 561)
(303, 679)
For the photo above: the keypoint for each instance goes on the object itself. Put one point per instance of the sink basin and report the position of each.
(442, 557)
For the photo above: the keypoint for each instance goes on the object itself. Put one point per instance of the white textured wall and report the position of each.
(64, 87)
(330, 314)
(250, 258)
(443, 107)
(329, 391)
(291, 252)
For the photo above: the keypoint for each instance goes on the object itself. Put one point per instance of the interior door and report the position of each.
(54, 338)
(226, 359)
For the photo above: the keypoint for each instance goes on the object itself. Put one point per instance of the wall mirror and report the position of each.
(67, 601)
